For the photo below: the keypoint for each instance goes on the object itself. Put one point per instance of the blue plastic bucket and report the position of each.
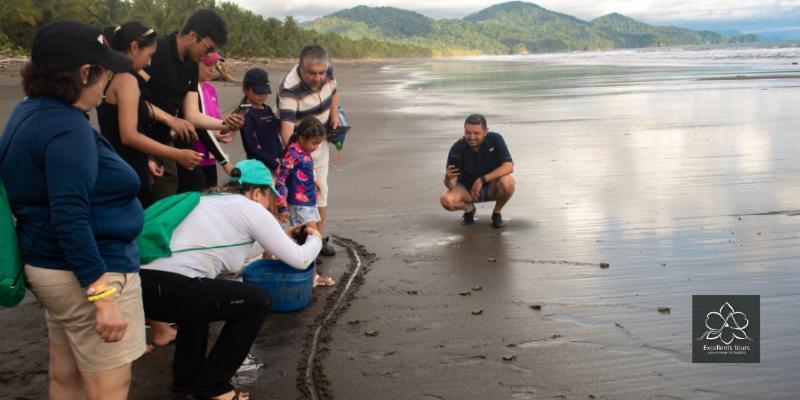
(289, 288)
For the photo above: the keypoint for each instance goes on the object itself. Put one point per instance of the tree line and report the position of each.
(250, 35)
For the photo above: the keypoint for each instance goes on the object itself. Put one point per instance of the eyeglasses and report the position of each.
(209, 49)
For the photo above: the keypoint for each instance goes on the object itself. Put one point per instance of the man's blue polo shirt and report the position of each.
(492, 154)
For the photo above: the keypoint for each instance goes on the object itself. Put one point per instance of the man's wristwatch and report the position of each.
(483, 179)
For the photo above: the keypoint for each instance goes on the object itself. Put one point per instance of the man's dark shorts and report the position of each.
(483, 195)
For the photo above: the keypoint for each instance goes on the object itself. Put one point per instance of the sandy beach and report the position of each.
(696, 197)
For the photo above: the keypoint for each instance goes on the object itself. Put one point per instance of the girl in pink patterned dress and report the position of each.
(296, 174)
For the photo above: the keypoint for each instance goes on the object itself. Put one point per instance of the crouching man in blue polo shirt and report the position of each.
(479, 169)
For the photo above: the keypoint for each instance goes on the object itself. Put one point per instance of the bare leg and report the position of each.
(108, 385)
(502, 190)
(163, 334)
(64, 378)
(323, 212)
(456, 199)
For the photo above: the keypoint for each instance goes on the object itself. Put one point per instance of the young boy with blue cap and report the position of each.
(260, 135)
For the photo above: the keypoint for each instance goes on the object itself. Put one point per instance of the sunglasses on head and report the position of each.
(145, 35)
(148, 33)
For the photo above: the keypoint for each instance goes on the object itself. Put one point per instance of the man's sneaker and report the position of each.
(469, 217)
(327, 249)
(497, 220)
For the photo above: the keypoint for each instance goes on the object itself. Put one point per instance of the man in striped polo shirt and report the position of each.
(309, 89)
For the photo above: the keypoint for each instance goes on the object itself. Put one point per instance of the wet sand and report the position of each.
(673, 215)
(696, 199)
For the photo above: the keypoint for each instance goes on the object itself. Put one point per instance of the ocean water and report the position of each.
(679, 167)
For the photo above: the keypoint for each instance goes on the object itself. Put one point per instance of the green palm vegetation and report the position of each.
(250, 35)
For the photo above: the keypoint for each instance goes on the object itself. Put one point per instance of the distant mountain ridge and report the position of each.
(510, 28)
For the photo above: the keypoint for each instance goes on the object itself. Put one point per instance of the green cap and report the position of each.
(254, 172)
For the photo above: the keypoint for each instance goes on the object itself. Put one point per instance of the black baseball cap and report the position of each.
(65, 45)
(258, 80)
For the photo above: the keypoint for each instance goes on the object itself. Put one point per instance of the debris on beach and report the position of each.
(555, 336)
(225, 72)
(390, 353)
(604, 265)
(477, 312)
(371, 333)
(477, 288)
(467, 293)
(509, 357)
(492, 260)
(664, 310)
(354, 322)
(536, 307)
(412, 292)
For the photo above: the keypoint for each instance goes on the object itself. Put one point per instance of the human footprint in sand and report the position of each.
(479, 168)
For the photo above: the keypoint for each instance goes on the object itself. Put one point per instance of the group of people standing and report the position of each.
(79, 196)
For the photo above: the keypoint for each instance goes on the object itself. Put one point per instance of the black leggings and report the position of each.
(210, 175)
(193, 303)
(196, 180)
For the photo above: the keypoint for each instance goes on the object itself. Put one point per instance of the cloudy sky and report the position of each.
(749, 15)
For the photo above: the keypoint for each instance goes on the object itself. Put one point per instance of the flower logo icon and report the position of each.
(726, 325)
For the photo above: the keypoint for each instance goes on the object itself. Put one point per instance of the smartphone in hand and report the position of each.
(242, 108)
(454, 161)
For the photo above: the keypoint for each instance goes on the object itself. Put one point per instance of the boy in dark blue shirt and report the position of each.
(260, 133)
(479, 168)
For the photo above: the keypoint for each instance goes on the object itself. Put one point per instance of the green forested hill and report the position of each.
(639, 34)
(512, 27)
(251, 35)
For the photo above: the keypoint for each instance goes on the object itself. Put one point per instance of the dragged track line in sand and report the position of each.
(312, 382)
(558, 262)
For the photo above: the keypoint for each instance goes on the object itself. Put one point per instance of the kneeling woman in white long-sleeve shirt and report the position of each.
(217, 237)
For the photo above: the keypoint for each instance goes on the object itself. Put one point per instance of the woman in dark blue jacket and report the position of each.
(77, 214)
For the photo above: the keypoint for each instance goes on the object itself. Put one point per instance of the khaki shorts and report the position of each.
(321, 158)
(71, 317)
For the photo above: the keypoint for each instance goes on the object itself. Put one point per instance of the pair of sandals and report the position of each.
(321, 280)
(237, 395)
(186, 389)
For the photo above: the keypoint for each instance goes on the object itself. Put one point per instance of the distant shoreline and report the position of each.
(11, 63)
(750, 77)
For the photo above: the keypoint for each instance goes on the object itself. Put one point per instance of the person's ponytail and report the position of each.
(112, 36)
(120, 37)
